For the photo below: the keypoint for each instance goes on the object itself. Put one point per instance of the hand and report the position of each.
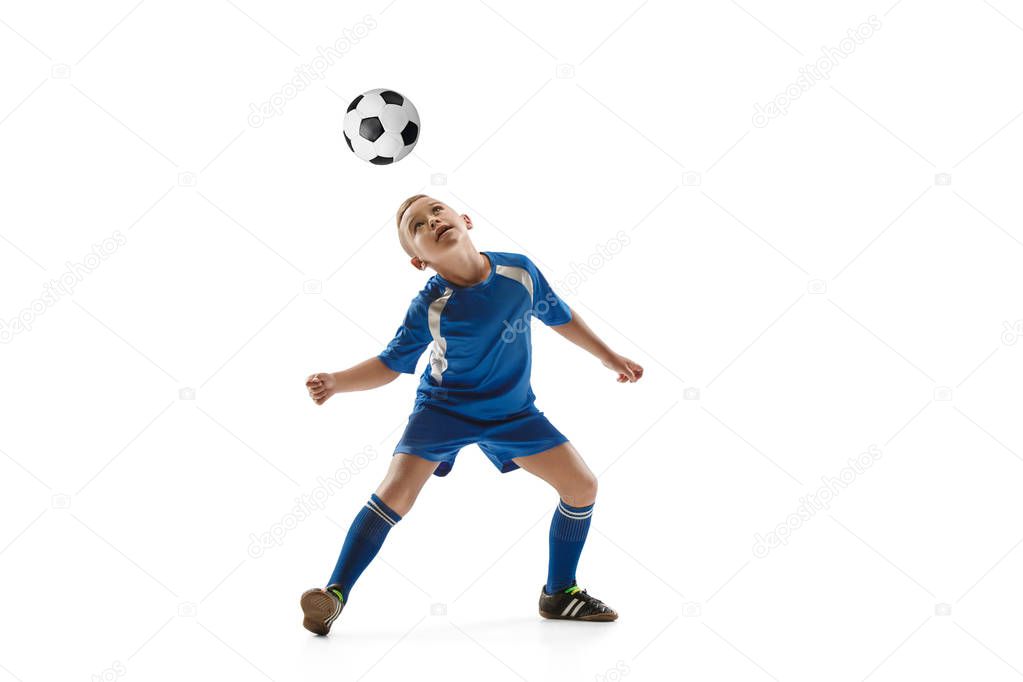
(321, 387)
(628, 371)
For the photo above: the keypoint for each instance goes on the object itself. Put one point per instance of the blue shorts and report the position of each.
(438, 435)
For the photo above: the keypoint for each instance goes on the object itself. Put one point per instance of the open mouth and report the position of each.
(442, 231)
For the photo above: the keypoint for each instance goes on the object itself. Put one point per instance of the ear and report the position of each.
(468, 221)
(417, 263)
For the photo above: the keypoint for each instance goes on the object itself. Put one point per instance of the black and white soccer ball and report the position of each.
(381, 126)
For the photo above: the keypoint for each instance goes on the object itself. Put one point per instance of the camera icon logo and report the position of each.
(187, 609)
(60, 71)
(187, 179)
(691, 179)
(186, 393)
(60, 501)
(691, 393)
(943, 179)
(943, 393)
(565, 71)
(943, 609)
(438, 609)
(438, 179)
(691, 609)
(312, 286)
(817, 286)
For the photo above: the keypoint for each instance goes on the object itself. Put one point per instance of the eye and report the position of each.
(417, 226)
(436, 208)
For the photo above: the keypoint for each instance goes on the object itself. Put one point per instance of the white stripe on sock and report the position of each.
(378, 507)
(570, 605)
(379, 513)
(381, 510)
(575, 515)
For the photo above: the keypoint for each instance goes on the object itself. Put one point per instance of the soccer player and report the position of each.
(476, 312)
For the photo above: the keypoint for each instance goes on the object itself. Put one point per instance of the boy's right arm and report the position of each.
(368, 374)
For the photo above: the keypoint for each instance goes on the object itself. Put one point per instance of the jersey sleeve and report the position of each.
(410, 339)
(547, 305)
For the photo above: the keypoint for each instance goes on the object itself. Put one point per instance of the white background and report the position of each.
(815, 283)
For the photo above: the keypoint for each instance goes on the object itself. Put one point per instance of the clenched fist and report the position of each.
(321, 387)
(628, 371)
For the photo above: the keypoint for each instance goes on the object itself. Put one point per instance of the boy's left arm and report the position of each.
(578, 332)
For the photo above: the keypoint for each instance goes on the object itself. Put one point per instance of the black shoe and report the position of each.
(321, 608)
(573, 603)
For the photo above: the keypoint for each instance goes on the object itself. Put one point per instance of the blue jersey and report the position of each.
(482, 350)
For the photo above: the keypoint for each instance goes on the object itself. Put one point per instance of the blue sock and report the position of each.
(364, 539)
(568, 535)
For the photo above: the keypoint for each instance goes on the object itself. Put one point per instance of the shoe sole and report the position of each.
(318, 606)
(593, 618)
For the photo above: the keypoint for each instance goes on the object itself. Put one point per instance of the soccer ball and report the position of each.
(381, 126)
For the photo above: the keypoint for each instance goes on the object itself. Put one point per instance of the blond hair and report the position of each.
(402, 237)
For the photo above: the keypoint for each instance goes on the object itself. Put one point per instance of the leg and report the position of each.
(405, 478)
(393, 499)
(565, 470)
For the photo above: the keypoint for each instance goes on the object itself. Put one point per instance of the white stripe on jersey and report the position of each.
(438, 361)
(519, 275)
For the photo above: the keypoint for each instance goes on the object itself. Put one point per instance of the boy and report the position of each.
(476, 311)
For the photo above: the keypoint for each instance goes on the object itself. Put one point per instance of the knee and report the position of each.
(581, 491)
(397, 496)
(404, 480)
(398, 499)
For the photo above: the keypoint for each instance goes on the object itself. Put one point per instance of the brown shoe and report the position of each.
(574, 603)
(321, 608)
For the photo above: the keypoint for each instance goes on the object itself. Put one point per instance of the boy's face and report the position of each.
(432, 229)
